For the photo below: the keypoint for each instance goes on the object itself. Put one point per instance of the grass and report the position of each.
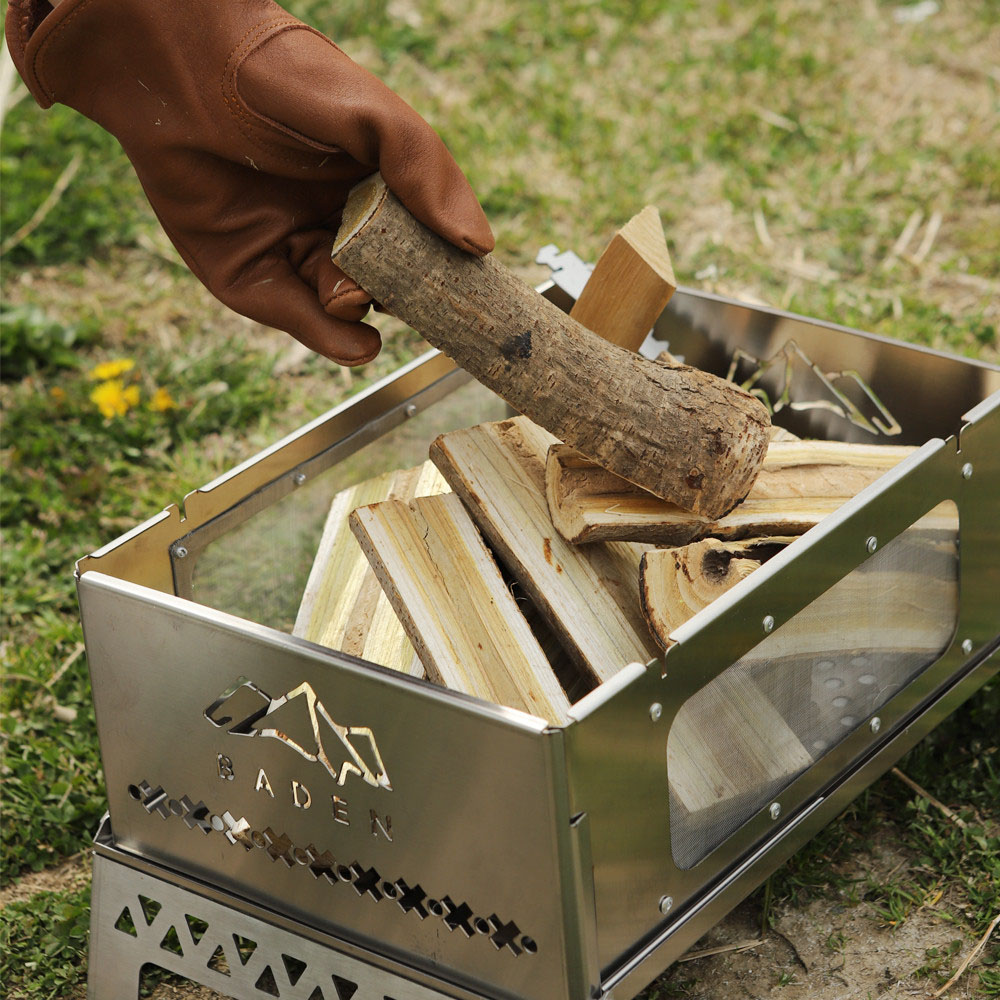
(786, 145)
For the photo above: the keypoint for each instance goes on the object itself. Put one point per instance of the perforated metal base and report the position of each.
(138, 920)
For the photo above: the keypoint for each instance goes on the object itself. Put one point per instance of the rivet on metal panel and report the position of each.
(768, 623)
(967, 470)
(299, 478)
(666, 902)
(775, 811)
(872, 544)
(411, 409)
(655, 711)
(967, 646)
(875, 725)
(178, 551)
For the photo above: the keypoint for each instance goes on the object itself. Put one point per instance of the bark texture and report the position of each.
(680, 433)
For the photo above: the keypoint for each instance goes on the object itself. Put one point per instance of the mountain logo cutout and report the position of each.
(300, 721)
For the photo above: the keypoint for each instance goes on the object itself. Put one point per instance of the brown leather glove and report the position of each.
(247, 130)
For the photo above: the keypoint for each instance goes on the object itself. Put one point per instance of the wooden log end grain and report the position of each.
(682, 434)
(675, 584)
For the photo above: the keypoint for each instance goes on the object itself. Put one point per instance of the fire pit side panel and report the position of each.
(422, 825)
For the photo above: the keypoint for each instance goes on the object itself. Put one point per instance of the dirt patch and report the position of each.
(826, 949)
(823, 951)
(71, 874)
(183, 991)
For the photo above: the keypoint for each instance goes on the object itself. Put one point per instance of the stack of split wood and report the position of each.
(511, 568)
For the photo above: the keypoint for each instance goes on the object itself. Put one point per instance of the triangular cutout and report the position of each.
(244, 948)
(294, 967)
(218, 962)
(197, 927)
(150, 908)
(266, 984)
(317, 994)
(171, 942)
(125, 923)
(345, 988)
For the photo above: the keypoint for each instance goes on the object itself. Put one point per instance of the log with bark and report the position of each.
(679, 432)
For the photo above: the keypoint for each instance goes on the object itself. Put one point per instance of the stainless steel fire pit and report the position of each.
(314, 826)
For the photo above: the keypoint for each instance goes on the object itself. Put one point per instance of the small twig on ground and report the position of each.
(799, 267)
(903, 241)
(58, 190)
(980, 944)
(74, 655)
(721, 950)
(760, 224)
(930, 234)
(778, 121)
(924, 794)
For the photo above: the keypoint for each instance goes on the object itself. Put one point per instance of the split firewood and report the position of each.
(678, 431)
(343, 606)
(800, 483)
(780, 434)
(630, 285)
(589, 596)
(677, 583)
(454, 605)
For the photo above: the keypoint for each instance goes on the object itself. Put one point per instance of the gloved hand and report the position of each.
(247, 129)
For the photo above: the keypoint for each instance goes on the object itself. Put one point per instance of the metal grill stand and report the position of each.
(289, 821)
(142, 918)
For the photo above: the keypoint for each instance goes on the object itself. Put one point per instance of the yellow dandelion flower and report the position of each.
(111, 369)
(162, 400)
(113, 399)
(58, 394)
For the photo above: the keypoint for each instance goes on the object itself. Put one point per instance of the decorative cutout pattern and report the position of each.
(224, 949)
(366, 882)
(791, 361)
(301, 713)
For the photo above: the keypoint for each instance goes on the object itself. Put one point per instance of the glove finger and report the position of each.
(339, 295)
(324, 96)
(278, 297)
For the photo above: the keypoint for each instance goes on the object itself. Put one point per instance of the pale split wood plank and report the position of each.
(343, 606)
(454, 605)
(781, 434)
(630, 285)
(801, 482)
(589, 596)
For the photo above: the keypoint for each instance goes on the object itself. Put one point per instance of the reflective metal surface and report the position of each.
(468, 843)
(141, 555)
(710, 906)
(364, 802)
(141, 919)
(927, 391)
